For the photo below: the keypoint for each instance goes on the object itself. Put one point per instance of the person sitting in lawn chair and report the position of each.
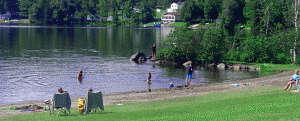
(93, 101)
(61, 102)
(294, 79)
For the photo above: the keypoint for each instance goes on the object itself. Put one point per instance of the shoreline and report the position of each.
(164, 93)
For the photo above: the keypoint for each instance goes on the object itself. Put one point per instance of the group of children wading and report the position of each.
(153, 47)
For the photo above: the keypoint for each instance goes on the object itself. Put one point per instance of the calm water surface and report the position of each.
(36, 60)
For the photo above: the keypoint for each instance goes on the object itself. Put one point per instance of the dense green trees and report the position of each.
(66, 11)
(272, 37)
(192, 10)
(8, 5)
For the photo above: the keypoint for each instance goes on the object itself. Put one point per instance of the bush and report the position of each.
(282, 59)
(265, 67)
(298, 60)
(212, 48)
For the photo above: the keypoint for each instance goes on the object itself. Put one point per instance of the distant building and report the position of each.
(7, 15)
(158, 10)
(109, 18)
(172, 14)
(171, 17)
(93, 17)
(175, 7)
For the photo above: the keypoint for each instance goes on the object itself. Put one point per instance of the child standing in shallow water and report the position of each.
(80, 77)
(149, 82)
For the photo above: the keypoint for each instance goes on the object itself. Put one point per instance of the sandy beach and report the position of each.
(165, 93)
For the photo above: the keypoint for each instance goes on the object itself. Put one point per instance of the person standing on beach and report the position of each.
(149, 82)
(80, 77)
(153, 50)
(189, 74)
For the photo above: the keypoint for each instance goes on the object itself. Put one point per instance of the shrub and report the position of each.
(281, 58)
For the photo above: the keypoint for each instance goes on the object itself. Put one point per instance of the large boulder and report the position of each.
(136, 56)
(221, 66)
(237, 67)
(251, 68)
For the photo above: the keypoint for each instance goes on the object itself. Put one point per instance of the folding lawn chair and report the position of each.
(93, 101)
(61, 103)
(296, 84)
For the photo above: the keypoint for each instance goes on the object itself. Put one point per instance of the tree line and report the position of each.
(68, 11)
(261, 31)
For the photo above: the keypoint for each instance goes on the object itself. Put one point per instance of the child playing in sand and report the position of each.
(149, 82)
(80, 77)
(171, 85)
(293, 79)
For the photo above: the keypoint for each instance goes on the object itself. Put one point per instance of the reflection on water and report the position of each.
(36, 61)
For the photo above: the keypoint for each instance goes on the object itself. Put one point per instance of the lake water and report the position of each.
(36, 60)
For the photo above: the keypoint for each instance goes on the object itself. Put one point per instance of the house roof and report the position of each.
(173, 13)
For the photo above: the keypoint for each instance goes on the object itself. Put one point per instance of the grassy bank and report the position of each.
(158, 14)
(178, 24)
(271, 67)
(251, 104)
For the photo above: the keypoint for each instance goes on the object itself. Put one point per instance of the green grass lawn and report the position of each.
(178, 24)
(263, 103)
(273, 67)
(158, 14)
(24, 21)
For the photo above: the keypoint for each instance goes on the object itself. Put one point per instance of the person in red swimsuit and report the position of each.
(153, 47)
(80, 77)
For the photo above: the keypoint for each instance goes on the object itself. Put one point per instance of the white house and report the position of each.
(7, 15)
(175, 7)
(158, 10)
(172, 14)
(109, 18)
(171, 17)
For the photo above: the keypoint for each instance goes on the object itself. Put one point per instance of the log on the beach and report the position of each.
(30, 107)
(251, 68)
(136, 56)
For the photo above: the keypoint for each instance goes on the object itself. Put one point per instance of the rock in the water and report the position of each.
(221, 66)
(251, 68)
(136, 56)
(186, 64)
(237, 67)
(149, 57)
(142, 58)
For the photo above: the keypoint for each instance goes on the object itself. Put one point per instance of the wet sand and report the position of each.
(165, 93)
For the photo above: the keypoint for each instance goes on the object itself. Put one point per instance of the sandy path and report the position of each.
(165, 93)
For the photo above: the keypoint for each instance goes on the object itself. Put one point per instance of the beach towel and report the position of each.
(93, 101)
(61, 101)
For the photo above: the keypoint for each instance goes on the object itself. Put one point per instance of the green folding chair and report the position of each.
(61, 103)
(93, 102)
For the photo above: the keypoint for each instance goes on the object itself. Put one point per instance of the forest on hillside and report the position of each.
(263, 31)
